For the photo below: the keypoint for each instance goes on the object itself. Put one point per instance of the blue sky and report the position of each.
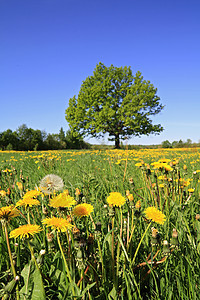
(48, 47)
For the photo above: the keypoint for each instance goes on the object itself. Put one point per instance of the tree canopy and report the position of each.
(114, 101)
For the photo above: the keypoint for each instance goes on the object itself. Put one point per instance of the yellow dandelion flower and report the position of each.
(8, 212)
(161, 185)
(25, 231)
(27, 202)
(62, 200)
(168, 168)
(164, 160)
(59, 224)
(152, 213)
(2, 193)
(130, 197)
(32, 194)
(191, 190)
(116, 199)
(83, 210)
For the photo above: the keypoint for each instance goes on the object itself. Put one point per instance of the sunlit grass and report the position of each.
(141, 243)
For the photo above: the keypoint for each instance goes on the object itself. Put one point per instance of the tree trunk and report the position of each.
(117, 144)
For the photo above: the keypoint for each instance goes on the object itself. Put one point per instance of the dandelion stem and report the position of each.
(32, 255)
(11, 260)
(112, 247)
(138, 247)
(65, 262)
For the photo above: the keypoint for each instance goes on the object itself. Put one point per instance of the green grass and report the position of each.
(111, 256)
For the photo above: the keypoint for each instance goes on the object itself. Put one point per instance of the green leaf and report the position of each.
(38, 292)
(33, 285)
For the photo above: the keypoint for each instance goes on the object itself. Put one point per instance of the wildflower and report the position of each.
(116, 199)
(62, 200)
(51, 183)
(152, 213)
(168, 168)
(83, 210)
(32, 194)
(130, 197)
(8, 212)
(25, 231)
(27, 202)
(2, 193)
(59, 224)
(191, 190)
(161, 185)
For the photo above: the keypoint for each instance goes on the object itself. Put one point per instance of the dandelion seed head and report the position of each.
(51, 183)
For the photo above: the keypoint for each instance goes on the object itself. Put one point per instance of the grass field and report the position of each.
(111, 224)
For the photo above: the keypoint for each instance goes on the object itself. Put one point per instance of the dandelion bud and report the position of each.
(166, 250)
(197, 217)
(44, 210)
(155, 238)
(153, 185)
(50, 237)
(77, 192)
(138, 204)
(17, 278)
(127, 193)
(16, 244)
(20, 186)
(174, 239)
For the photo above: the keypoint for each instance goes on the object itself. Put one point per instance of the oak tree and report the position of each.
(114, 101)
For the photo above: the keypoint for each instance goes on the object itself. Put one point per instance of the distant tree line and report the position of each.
(24, 139)
(178, 144)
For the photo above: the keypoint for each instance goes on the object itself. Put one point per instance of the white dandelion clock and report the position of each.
(51, 183)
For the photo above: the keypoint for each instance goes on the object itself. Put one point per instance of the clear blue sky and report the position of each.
(48, 47)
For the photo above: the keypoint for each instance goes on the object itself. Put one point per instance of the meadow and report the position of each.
(100, 224)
